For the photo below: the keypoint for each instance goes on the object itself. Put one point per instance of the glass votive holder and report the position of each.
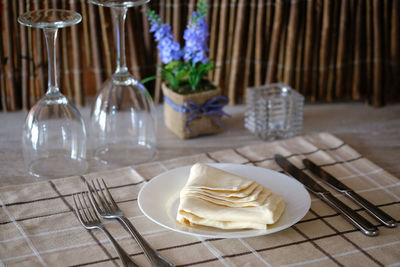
(274, 111)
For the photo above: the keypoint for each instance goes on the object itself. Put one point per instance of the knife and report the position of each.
(328, 179)
(353, 217)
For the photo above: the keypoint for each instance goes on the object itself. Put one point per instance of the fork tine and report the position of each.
(106, 200)
(81, 209)
(93, 198)
(101, 196)
(77, 211)
(109, 194)
(90, 210)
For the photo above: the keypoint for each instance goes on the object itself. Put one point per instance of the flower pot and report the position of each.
(194, 114)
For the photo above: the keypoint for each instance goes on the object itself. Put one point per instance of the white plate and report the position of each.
(159, 200)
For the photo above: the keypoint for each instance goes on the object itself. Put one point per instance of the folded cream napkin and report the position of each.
(216, 198)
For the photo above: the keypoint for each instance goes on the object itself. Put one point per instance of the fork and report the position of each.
(106, 207)
(89, 219)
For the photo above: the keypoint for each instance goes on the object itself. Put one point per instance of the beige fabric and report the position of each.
(38, 227)
(256, 196)
(216, 198)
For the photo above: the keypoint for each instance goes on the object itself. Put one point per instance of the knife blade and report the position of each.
(353, 217)
(330, 180)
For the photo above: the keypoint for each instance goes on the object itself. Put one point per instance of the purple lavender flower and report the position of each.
(169, 50)
(196, 36)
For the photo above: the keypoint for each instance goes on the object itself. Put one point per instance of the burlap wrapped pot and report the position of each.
(176, 120)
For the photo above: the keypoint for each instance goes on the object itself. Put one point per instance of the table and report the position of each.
(38, 226)
(372, 132)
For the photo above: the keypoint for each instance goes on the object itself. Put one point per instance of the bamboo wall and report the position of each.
(328, 50)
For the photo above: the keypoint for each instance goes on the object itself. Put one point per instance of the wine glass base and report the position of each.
(122, 154)
(119, 3)
(57, 167)
(50, 18)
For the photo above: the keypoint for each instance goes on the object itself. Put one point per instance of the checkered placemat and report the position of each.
(38, 226)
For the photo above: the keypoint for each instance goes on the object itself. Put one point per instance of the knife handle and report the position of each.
(372, 209)
(353, 217)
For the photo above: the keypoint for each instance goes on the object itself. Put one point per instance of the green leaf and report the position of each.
(202, 8)
(148, 79)
(172, 65)
(153, 16)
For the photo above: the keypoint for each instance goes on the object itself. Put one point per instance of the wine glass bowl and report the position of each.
(54, 138)
(123, 125)
(54, 134)
(123, 121)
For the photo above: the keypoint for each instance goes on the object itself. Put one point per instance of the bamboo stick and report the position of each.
(76, 61)
(229, 43)
(66, 78)
(16, 56)
(359, 54)
(259, 42)
(157, 94)
(104, 37)
(234, 81)
(386, 77)
(324, 51)
(283, 42)
(32, 96)
(95, 49)
(3, 88)
(299, 57)
(250, 51)
(308, 49)
(394, 48)
(147, 49)
(332, 53)
(378, 54)
(269, 23)
(342, 41)
(191, 8)
(213, 22)
(275, 37)
(369, 53)
(168, 12)
(142, 51)
(39, 58)
(219, 62)
(9, 62)
(350, 50)
(290, 59)
(177, 21)
(132, 48)
(316, 47)
(24, 60)
(86, 41)
(147, 38)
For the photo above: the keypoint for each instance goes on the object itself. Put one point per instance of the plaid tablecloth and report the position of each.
(38, 226)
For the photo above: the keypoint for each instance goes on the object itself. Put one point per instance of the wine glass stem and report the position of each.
(119, 15)
(51, 36)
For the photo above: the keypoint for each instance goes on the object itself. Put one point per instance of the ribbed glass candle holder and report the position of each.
(274, 111)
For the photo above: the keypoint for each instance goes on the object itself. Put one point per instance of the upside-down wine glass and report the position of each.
(54, 134)
(122, 116)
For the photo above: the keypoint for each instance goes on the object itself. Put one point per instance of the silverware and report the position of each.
(357, 220)
(89, 219)
(328, 179)
(108, 209)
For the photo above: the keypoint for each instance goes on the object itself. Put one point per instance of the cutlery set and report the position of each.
(98, 201)
(353, 217)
